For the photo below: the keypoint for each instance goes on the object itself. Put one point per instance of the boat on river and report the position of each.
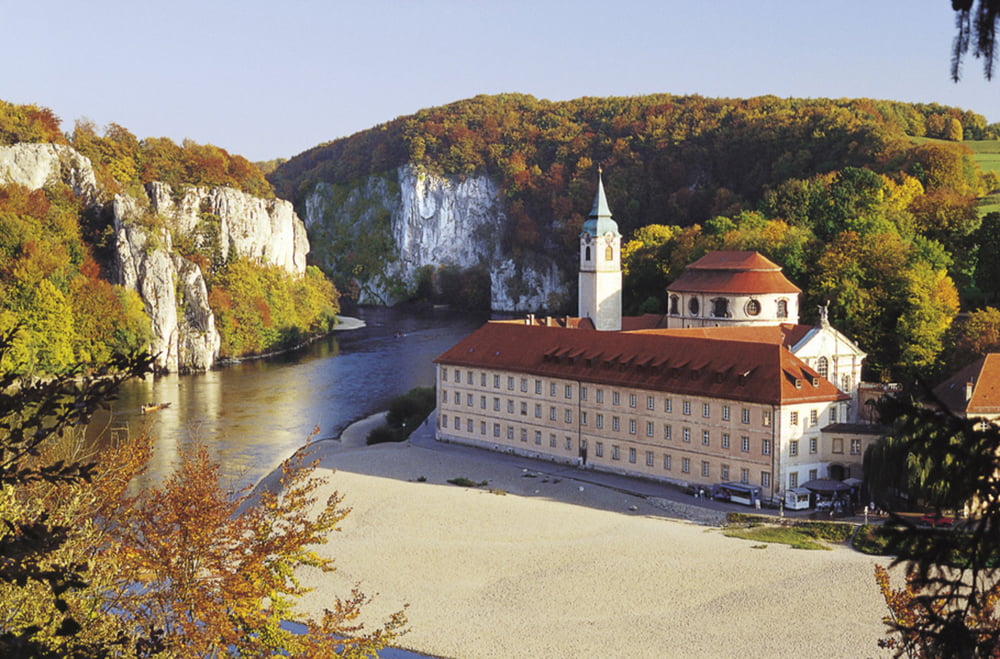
(153, 407)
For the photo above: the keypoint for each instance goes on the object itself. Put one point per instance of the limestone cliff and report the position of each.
(394, 225)
(172, 288)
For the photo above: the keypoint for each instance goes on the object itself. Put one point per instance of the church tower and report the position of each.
(600, 266)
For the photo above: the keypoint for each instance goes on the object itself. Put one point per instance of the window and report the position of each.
(675, 305)
(510, 432)
(569, 443)
(552, 389)
(600, 395)
(687, 408)
(833, 415)
(725, 440)
(599, 449)
(538, 411)
(838, 444)
(496, 381)
(615, 424)
(496, 430)
(782, 308)
(538, 387)
(524, 434)
(752, 308)
(600, 420)
(444, 375)
(538, 437)
(693, 306)
(468, 426)
(552, 413)
(510, 383)
(812, 474)
(649, 458)
(482, 379)
(524, 385)
(823, 366)
(704, 469)
(444, 420)
(720, 307)
(765, 418)
(444, 395)
(687, 434)
(468, 377)
(686, 465)
(745, 444)
(745, 415)
(793, 418)
(569, 392)
(468, 400)
(793, 479)
(765, 447)
(631, 455)
(855, 447)
(845, 382)
(616, 398)
(649, 429)
(631, 400)
(496, 404)
(744, 475)
(458, 423)
(793, 447)
(706, 438)
(583, 418)
(510, 406)
(667, 434)
(583, 393)
(765, 479)
(482, 402)
(552, 440)
(725, 413)
(631, 426)
(668, 405)
(724, 472)
(813, 417)
(569, 416)
(706, 410)
(666, 461)
(650, 403)
(812, 447)
(615, 453)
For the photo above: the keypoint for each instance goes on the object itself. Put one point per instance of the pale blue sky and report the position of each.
(271, 79)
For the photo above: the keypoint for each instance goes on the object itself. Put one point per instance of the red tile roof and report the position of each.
(984, 376)
(785, 334)
(759, 372)
(737, 273)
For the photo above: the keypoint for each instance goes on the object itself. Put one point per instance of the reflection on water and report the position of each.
(254, 414)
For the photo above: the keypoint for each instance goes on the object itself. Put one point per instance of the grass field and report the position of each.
(987, 155)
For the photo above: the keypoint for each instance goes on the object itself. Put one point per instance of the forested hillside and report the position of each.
(56, 251)
(848, 195)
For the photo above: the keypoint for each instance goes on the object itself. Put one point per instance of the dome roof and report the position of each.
(600, 221)
(735, 273)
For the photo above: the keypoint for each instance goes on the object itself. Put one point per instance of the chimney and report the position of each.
(968, 390)
(548, 321)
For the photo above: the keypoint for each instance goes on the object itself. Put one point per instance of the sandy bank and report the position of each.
(556, 568)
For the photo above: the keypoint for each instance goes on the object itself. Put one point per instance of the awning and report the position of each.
(826, 486)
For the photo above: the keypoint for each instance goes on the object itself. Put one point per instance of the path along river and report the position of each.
(254, 414)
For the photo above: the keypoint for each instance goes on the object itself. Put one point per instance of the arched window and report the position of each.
(693, 306)
(674, 304)
(845, 382)
(586, 253)
(609, 253)
(720, 307)
(782, 308)
(823, 366)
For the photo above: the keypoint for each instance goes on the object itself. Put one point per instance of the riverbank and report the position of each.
(535, 565)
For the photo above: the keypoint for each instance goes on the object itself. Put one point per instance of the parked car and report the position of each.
(937, 519)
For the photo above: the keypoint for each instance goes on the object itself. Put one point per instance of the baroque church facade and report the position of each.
(725, 388)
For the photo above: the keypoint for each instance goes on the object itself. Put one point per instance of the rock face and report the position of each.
(432, 220)
(37, 165)
(172, 288)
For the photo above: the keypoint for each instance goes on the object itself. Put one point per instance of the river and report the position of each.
(254, 414)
